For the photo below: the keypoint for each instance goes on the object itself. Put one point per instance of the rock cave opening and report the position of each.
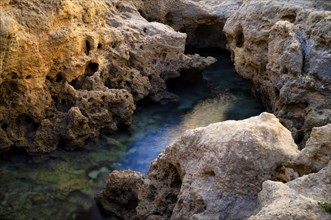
(240, 39)
(87, 47)
(207, 36)
(82, 81)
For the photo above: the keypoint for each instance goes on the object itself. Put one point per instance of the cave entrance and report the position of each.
(209, 35)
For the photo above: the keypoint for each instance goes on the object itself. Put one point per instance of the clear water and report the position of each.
(62, 185)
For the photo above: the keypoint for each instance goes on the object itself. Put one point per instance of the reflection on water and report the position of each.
(62, 185)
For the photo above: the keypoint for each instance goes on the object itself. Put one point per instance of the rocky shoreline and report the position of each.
(68, 76)
(73, 69)
(249, 169)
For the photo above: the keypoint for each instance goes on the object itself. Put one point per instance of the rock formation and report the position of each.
(297, 199)
(317, 151)
(283, 47)
(218, 172)
(214, 172)
(72, 68)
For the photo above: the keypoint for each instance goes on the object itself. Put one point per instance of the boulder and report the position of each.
(215, 172)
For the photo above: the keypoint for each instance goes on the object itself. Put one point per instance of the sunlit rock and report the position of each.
(214, 172)
(72, 68)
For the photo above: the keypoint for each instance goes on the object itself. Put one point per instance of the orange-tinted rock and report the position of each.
(71, 68)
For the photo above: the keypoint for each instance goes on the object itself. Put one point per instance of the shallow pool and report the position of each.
(62, 185)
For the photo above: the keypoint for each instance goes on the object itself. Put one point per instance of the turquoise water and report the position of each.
(62, 185)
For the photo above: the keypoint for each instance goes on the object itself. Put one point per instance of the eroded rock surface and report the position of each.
(214, 172)
(56, 55)
(283, 47)
(317, 152)
(297, 199)
(202, 20)
(71, 68)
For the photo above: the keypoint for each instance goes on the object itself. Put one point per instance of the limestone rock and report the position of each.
(71, 68)
(283, 47)
(201, 20)
(298, 199)
(214, 172)
(317, 152)
(122, 190)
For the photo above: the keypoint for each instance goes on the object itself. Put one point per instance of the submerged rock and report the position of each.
(214, 172)
(71, 68)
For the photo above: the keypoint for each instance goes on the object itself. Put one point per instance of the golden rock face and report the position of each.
(70, 68)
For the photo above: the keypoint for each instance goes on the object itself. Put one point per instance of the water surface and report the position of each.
(62, 185)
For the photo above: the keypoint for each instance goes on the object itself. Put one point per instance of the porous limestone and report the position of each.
(72, 68)
(283, 47)
(317, 152)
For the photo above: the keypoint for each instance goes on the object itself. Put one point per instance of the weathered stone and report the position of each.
(283, 48)
(317, 153)
(214, 172)
(298, 199)
(122, 190)
(203, 21)
(71, 68)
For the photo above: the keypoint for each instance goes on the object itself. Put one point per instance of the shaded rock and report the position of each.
(214, 172)
(297, 199)
(202, 21)
(317, 153)
(122, 190)
(71, 68)
(283, 48)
